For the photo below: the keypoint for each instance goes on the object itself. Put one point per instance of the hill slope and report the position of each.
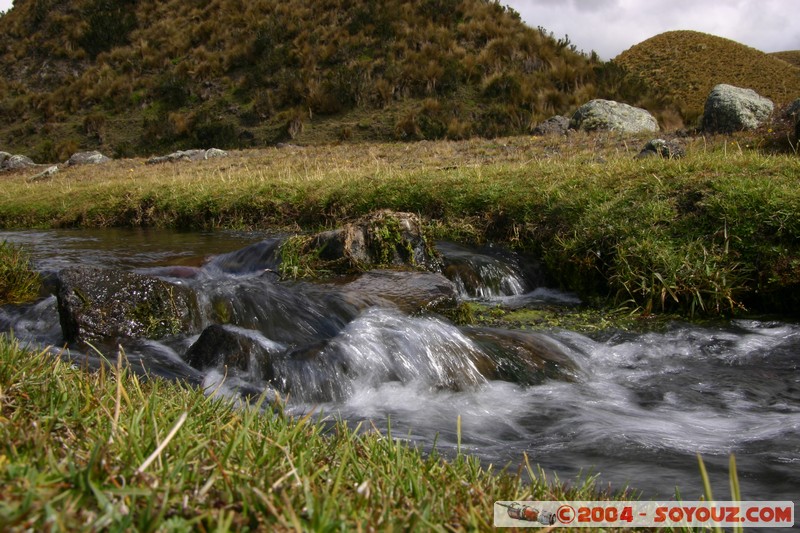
(142, 76)
(685, 65)
(790, 56)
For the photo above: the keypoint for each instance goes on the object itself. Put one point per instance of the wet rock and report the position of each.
(17, 162)
(607, 115)
(557, 125)
(235, 348)
(45, 174)
(730, 109)
(382, 239)
(661, 148)
(521, 357)
(107, 304)
(88, 158)
(257, 257)
(410, 291)
(188, 155)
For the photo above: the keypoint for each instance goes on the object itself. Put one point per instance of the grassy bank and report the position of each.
(111, 451)
(713, 233)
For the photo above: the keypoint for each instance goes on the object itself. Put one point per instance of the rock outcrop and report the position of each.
(378, 240)
(188, 155)
(557, 125)
(607, 115)
(661, 148)
(97, 304)
(88, 158)
(15, 162)
(47, 173)
(730, 109)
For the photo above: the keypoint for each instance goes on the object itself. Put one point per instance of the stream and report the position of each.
(634, 408)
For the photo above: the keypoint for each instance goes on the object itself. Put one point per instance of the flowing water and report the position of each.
(633, 408)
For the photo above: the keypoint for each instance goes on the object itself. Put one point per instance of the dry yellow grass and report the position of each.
(686, 65)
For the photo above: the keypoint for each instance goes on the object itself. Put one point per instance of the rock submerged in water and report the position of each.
(729, 109)
(96, 304)
(607, 115)
(411, 292)
(233, 347)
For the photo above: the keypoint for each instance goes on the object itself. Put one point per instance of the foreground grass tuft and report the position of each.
(110, 450)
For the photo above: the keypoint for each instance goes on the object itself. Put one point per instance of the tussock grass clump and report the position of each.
(110, 450)
(19, 283)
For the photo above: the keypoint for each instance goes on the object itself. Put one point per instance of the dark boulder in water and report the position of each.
(106, 304)
(235, 348)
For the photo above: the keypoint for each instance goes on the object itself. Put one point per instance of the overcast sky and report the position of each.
(611, 26)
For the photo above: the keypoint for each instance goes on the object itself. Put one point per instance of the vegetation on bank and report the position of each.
(713, 233)
(110, 450)
(19, 282)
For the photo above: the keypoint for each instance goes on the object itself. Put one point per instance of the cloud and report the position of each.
(611, 26)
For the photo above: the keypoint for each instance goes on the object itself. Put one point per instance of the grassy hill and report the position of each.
(143, 76)
(683, 67)
(790, 56)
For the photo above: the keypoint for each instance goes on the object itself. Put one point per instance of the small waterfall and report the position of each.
(381, 346)
(487, 273)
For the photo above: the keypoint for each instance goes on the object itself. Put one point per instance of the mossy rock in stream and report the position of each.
(383, 239)
(97, 304)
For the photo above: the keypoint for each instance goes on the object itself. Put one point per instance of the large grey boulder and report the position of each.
(96, 304)
(17, 162)
(88, 158)
(730, 109)
(607, 115)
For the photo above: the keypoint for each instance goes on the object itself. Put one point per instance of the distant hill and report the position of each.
(683, 67)
(790, 56)
(138, 77)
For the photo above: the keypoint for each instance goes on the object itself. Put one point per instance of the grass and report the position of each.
(710, 234)
(684, 66)
(113, 450)
(19, 282)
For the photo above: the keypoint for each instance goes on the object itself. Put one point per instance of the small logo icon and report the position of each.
(527, 513)
(565, 514)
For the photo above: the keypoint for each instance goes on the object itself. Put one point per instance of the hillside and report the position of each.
(683, 66)
(136, 77)
(790, 56)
